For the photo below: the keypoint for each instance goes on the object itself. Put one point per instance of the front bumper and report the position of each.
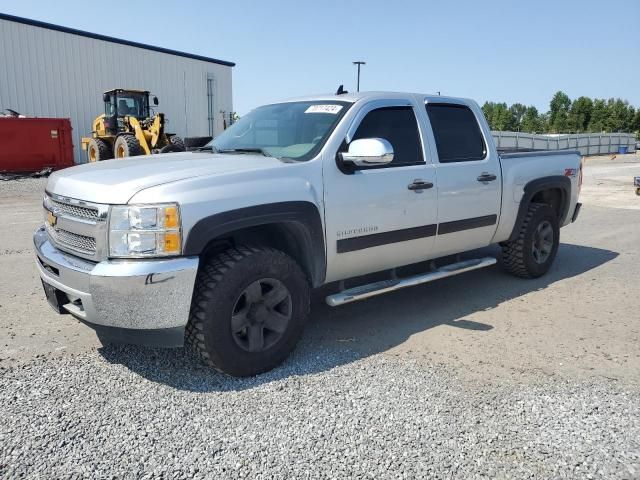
(128, 301)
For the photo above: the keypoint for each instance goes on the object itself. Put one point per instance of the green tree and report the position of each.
(517, 113)
(559, 112)
(580, 114)
(544, 123)
(635, 124)
(531, 122)
(498, 116)
(599, 114)
(619, 115)
(502, 118)
(487, 109)
(565, 116)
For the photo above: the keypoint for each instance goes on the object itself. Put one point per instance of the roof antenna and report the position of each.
(341, 90)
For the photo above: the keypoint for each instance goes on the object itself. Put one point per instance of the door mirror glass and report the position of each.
(106, 98)
(369, 152)
(155, 100)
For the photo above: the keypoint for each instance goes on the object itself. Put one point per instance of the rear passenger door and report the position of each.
(469, 178)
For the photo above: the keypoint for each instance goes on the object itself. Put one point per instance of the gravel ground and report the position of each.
(126, 412)
(477, 376)
(18, 187)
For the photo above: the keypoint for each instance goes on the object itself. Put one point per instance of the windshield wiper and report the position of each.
(246, 150)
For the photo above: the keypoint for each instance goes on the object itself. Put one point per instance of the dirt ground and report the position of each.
(579, 321)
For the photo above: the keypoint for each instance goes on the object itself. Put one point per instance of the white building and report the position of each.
(52, 71)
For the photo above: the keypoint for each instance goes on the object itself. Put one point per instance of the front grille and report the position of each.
(74, 210)
(76, 226)
(71, 240)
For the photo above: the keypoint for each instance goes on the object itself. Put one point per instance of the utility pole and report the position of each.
(358, 64)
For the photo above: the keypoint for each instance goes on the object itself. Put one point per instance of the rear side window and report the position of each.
(457, 133)
(399, 127)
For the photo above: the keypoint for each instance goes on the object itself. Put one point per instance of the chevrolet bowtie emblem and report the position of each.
(52, 219)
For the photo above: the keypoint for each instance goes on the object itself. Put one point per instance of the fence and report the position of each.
(586, 143)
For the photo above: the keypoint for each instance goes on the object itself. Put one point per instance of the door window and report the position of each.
(399, 127)
(457, 133)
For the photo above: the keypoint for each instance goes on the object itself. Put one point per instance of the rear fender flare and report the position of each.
(538, 185)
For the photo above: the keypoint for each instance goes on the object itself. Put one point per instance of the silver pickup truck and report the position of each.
(221, 247)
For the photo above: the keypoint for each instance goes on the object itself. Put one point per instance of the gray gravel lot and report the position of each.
(118, 413)
(477, 376)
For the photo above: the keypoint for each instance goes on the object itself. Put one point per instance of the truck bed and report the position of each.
(528, 152)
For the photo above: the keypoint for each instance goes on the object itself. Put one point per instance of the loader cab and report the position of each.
(120, 103)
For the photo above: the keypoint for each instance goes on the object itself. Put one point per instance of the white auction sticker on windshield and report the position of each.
(332, 109)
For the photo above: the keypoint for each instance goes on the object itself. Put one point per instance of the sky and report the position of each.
(505, 51)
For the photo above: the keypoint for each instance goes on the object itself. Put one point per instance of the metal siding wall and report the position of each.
(45, 73)
(587, 143)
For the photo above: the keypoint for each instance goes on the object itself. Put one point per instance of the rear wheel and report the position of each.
(195, 142)
(249, 309)
(169, 148)
(127, 146)
(177, 142)
(98, 150)
(531, 254)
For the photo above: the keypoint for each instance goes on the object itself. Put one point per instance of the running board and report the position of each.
(378, 288)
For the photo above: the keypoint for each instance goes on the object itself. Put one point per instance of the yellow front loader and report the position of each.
(127, 128)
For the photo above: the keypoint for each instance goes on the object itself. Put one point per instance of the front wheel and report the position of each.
(531, 254)
(98, 150)
(126, 146)
(249, 309)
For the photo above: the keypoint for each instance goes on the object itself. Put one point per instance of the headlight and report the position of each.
(145, 231)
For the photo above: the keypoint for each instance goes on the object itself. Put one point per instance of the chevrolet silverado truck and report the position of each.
(220, 247)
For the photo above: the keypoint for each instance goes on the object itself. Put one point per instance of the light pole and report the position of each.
(358, 64)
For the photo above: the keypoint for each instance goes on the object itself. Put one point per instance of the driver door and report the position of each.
(375, 217)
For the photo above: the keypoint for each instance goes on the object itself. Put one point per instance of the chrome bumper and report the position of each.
(123, 294)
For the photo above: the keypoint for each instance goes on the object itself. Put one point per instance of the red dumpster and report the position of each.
(32, 144)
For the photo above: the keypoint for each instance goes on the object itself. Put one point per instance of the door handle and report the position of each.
(486, 177)
(419, 185)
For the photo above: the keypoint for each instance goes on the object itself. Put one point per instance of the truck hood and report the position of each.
(116, 181)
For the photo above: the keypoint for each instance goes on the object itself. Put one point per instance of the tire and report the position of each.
(98, 150)
(195, 142)
(177, 142)
(221, 303)
(519, 256)
(127, 146)
(170, 148)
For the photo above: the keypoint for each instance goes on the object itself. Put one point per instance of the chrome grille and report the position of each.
(74, 210)
(76, 226)
(71, 240)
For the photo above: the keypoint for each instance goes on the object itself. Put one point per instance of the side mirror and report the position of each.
(155, 100)
(369, 152)
(106, 98)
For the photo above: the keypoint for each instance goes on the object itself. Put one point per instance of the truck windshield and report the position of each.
(295, 130)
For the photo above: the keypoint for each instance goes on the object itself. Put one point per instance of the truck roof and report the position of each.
(353, 97)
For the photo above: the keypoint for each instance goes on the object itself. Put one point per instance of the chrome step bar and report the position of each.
(378, 288)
